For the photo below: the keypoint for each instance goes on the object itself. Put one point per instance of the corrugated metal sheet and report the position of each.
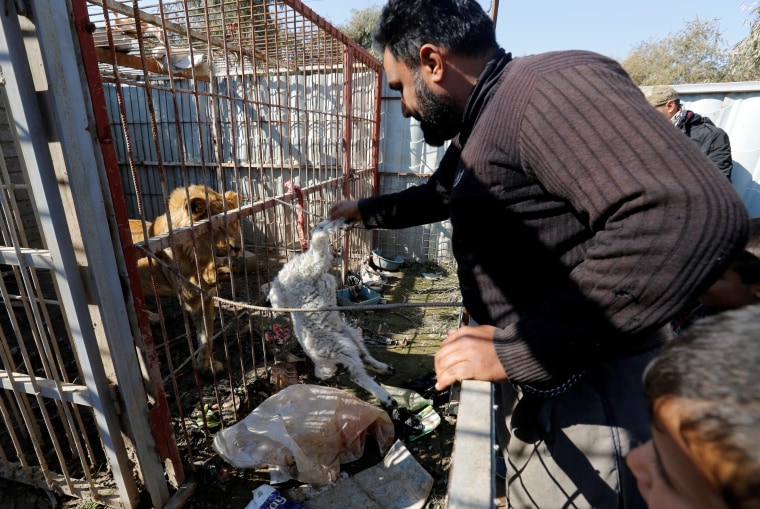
(406, 160)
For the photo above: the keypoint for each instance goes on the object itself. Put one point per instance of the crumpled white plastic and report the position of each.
(304, 432)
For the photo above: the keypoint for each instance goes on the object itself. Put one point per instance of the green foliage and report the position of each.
(359, 27)
(696, 54)
(745, 58)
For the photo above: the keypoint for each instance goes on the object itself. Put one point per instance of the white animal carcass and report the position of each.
(306, 282)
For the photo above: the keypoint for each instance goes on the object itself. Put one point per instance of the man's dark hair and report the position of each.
(716, 364)
(460, 26)
(703, 362)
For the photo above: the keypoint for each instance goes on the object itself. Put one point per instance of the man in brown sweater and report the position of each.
(582, 222)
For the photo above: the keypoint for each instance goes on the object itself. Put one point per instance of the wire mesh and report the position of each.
(261, 98)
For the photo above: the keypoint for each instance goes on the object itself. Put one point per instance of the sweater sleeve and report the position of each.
(664, 225)
(421, 204)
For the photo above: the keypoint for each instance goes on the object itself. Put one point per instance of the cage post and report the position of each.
(160, 429)
(348, 105)
(44, 185)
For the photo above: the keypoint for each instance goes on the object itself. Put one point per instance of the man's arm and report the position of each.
(719, 152)
(665, 224)
(422, 204)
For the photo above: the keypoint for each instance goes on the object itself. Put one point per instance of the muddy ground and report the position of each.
(406, 338)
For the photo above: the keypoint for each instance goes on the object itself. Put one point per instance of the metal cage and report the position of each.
(107, 115)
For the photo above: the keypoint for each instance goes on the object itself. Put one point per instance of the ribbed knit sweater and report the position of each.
(582, 221)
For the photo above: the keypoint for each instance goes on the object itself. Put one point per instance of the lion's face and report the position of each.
(228, 237)
(227, 241)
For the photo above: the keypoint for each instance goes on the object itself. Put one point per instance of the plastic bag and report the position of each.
(304, 432)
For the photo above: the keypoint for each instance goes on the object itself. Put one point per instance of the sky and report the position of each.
(610, 27)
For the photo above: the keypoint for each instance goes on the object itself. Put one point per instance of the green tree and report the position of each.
(696, 54)
(359, 27)
(745, 58)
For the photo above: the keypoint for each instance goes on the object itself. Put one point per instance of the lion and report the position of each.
(197, 202)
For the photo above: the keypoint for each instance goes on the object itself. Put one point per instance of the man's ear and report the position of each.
(431, 62)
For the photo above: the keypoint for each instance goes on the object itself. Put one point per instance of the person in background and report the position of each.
(577, 238)
(704, 402)
(711, 139)
(737, 287)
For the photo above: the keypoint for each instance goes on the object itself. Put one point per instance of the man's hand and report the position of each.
(468, 353)
(347, 209)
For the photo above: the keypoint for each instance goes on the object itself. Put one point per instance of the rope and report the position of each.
(244, 305)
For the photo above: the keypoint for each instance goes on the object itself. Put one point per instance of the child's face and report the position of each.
(667, 476)
(729, 292)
